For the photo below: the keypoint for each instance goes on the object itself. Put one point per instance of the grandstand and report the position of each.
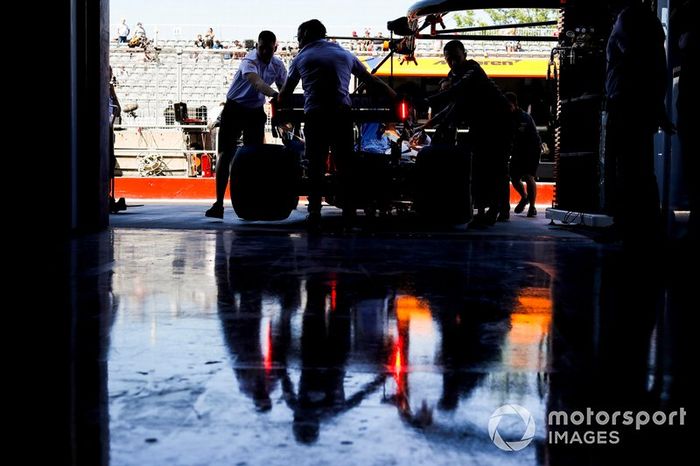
(197, 77)
(178, 72)
(157, 77)
(181, 72)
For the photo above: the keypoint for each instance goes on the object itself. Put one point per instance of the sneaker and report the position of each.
(521, 206)
(215, 211)
(116, 206)
(532, 212)
(503, 216)
(120, 205)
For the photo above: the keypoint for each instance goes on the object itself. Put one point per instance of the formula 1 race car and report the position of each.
(432, 183)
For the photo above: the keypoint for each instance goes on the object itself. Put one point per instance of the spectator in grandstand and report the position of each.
(199, 42)
(139, 37)
(470, 97)
(209, 39)
(324, 69)
(243, 111)
(636, 89)
(525, 156)
(218, 45)
(367, 44)
(139, 31)
(510, 45)
(123, 32)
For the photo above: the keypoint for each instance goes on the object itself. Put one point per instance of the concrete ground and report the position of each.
(242, 343)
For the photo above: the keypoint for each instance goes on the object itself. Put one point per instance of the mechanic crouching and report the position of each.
(470, 97)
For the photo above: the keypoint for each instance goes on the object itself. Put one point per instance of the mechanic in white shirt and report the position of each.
(243, 111)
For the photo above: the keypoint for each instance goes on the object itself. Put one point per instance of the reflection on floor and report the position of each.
(222, 347)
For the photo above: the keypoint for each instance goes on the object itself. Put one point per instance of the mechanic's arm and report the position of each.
(439, 117)
(281, 78)
(449, 93)
(444, 96)
(371, 81)
(259, 84)
(292, 80)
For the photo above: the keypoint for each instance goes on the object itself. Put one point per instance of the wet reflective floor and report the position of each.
(242, 347)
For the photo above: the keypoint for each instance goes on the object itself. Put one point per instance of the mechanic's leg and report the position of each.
(614, 145)
(497, 190)
(342, 146)
(639, 191)
(254, 126)
(503, 186)
(531, 194)
(518, 186)
(112, 166)
(531, 189)
(481, 187)
(229, 132)
(316, 153)
(223, 170)
(479, 182)
(515, 179)
(504, 195)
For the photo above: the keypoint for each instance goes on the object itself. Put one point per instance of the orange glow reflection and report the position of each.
(530, 326)
(413, 310)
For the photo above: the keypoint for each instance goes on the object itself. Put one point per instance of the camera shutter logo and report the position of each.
(510, 410)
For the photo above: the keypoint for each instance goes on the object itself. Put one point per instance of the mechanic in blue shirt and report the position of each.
(324, 69)
(243, 111)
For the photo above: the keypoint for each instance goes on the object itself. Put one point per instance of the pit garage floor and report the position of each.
(243, 343)
(190, 215)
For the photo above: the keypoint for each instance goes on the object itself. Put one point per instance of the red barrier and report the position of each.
(204, 189)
